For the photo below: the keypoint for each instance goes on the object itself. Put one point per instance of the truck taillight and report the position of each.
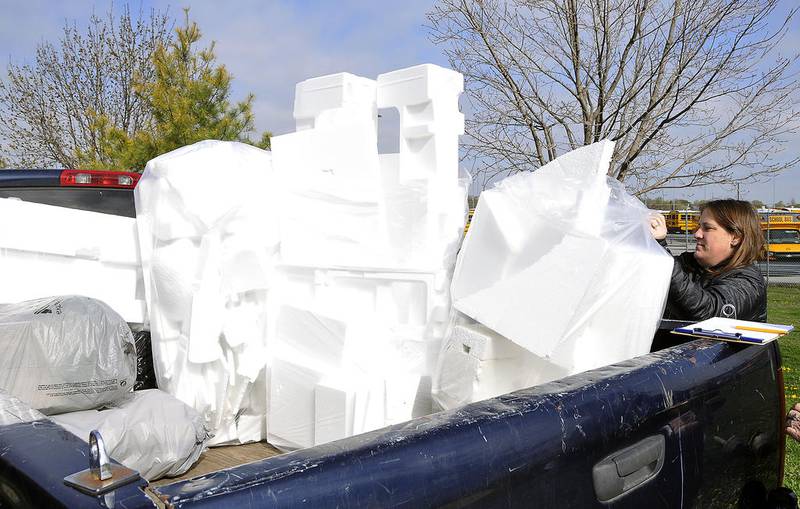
(96, 178)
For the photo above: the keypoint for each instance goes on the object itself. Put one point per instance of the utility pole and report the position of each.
(737, 191)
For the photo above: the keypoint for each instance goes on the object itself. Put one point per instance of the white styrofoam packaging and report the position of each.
(347, 206)
(477, 363)
(152, 433)
(368, 245)
(208, 224)
(557, 259)
(47, 250)
(66, 353)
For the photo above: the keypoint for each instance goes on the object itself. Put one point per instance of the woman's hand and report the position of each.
(658, 226)
(793, 422)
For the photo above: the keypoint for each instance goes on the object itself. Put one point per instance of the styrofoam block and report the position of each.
(291, 405)
(418, 84)
(430, 121)
(49, 250)
(501, 242)
(28, 276)
(407, 397)
(462, 378)
(334, 100)
(369, 412)
(534, 307)
(310, 339)
(334, 408)
(39, 228)
(484, 344)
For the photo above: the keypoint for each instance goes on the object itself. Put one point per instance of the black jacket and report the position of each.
(694, 294)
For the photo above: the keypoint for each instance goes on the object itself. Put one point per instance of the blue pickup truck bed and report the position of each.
(693, 425)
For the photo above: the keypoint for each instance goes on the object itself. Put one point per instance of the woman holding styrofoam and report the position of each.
(721, 277)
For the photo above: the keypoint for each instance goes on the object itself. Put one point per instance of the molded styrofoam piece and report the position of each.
(47, 250)
(483, 344)
(334, 410)
(477, 364)
(291, 405)
(311, 339)
(407, 397)
(335, 100)
(341, 204)
(430, 121)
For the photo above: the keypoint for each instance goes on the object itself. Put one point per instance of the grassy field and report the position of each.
(783, 306)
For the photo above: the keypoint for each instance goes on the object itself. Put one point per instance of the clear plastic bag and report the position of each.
(63, 354)
(153, 433)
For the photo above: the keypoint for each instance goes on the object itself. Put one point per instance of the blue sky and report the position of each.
(269, 46)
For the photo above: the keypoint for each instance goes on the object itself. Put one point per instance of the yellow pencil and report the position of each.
(758, 329)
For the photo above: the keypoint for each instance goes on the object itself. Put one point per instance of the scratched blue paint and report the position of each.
(537, 447)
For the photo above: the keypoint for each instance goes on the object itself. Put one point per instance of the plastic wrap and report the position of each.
(14, 411)
(368, 245)
(208, 234)
(64, 354)
(153, 433)
(561, 262)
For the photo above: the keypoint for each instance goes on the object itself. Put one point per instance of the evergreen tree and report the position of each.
(189, 100)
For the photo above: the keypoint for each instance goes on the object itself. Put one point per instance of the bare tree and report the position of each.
(49, 109)
(690, 91)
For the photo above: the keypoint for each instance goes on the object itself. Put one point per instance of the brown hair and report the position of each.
(738, 218)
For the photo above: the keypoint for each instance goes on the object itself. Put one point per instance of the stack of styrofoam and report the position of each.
(47, 250)
(208, 236)
(561, 262)
(368, 245)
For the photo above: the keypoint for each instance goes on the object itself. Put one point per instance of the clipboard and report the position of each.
(737, 331)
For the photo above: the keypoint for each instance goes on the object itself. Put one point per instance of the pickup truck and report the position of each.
(695, 424)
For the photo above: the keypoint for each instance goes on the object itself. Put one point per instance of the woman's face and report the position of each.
(714, 243)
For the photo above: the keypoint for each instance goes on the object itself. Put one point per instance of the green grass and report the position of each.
(783, 306)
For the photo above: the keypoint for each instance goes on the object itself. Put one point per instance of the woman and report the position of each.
(721, 277)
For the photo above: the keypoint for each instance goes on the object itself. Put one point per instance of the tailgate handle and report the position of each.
(628, 468)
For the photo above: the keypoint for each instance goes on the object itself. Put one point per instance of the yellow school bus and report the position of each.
(781, 229)
(682, 221)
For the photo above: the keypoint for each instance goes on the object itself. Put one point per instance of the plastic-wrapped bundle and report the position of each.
(64, 354)
(561, 262)
(153, 433)
(14, 411)
(208, 234)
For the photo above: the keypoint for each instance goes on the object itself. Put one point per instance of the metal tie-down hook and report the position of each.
(103, 475)
(99, 463)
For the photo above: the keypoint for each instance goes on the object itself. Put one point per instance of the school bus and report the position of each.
(682, 221)
(781, 229)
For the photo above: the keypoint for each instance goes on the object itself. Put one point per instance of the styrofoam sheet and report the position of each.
(47, 250)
